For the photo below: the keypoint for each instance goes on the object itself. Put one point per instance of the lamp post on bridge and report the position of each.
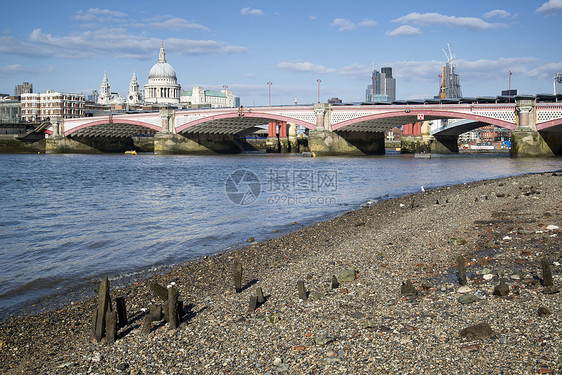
(509, 88)
(318, 80)
(269, 84)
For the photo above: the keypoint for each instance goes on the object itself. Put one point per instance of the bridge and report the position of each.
(333, 129)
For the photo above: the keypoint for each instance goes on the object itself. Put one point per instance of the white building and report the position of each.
(52, 105)
(199, 97)
(162, 86)
(134, 98)
(106, 97)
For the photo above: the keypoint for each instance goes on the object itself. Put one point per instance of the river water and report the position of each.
(68, 220)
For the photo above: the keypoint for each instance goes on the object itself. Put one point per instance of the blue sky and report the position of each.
(67, 45)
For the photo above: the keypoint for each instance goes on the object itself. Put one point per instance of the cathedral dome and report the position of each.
(162, 70)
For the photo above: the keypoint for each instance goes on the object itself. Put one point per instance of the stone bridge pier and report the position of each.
(323, 141)
(526, 140)
(168, 142)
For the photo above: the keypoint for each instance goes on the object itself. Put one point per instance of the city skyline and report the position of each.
(246, 44)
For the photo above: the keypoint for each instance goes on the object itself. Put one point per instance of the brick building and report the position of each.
(52, 105)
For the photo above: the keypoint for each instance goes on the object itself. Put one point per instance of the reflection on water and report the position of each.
(66, 220)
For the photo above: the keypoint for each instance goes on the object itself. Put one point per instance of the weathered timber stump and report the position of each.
(462, 269)
(237, 275)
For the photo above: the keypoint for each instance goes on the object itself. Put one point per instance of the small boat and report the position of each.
(422, 155)
(131, 152)
(308, 154)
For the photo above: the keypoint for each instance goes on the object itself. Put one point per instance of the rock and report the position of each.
(552, 227)
(488, 276)
(515, 277)
(408, 288)
(277, 361)
(323, 339)
(316, 296)
(426, 285)
(464, 289)
(347, 275)
(501, 290)
(370, 323)
(466, 299)
(543, 311)
(478, 331)
(251, 239)
(457, 241)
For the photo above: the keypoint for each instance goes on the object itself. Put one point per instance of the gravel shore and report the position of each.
(373, 324)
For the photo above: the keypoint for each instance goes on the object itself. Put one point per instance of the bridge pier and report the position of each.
(444, 144)
(198, 144)
(526, 141)
(325, 142)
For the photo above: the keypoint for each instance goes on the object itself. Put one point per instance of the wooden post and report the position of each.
(121, 311)
(173, 307)
(111, 327)
(155, 312)
(259, 294)
(238, 276)
(462, 270)
(159, 290)
(302, 290)
(104, 305)
(147, 324)
(253, 303)
(335, 282)
(546, 273)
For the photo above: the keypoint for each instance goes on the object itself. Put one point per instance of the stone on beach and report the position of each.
(478, 331)
(346, 276)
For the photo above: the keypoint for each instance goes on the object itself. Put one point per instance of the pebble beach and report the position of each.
(399, 307)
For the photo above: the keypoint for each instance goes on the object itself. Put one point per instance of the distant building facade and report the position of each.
(382, 87)
(10, 110)
(199, 97)
(558, 84)
(51, 105)
(24, 88)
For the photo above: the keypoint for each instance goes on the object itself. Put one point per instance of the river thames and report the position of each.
(68, 220)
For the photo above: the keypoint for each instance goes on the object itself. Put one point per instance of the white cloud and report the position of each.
(550, 7)
(20, 69)
(304, 67)
(426, 19)
(500, 13)
(175, 23)
(98, 15)
(367, 23)
(115, 42)
(312, 18)
(344, 24)
(404, 30)
(251, 12)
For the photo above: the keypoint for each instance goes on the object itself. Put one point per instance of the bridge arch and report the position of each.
(547, 125)
(411, 115)
(109, 121)
(266, 117)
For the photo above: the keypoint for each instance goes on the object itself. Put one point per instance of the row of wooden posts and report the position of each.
(106, 321)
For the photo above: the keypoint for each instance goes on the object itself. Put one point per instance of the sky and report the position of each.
(68, 45)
